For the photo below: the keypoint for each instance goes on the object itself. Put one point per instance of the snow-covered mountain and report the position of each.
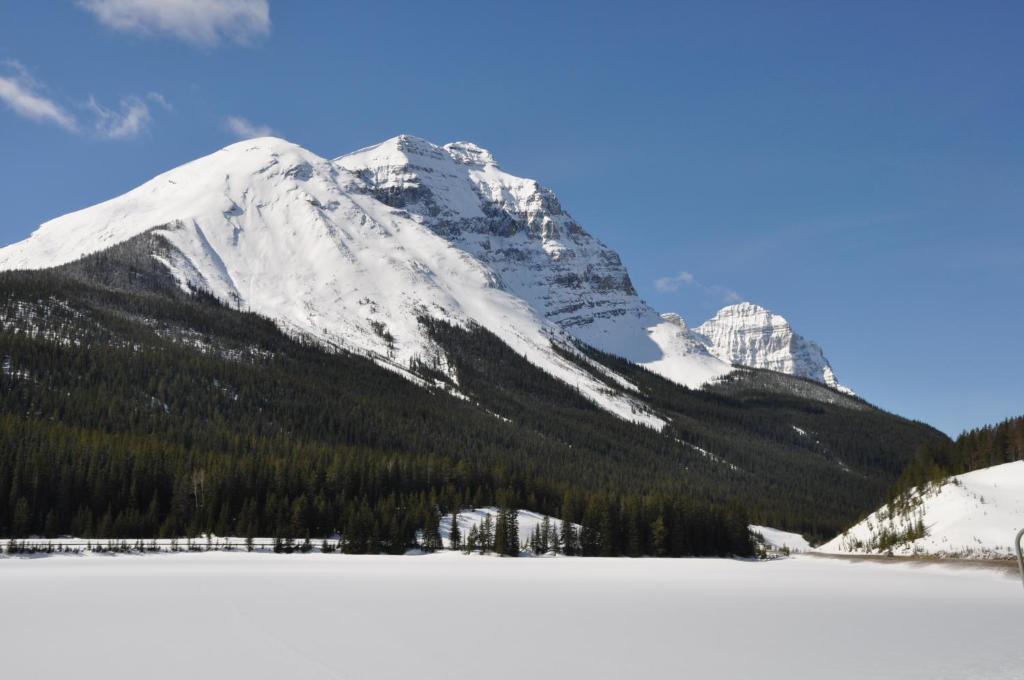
(750, 335)
(535, 249)
(352, 252)
(976, 514)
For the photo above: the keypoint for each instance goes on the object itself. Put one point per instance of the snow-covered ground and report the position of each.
(976, 514)
(447, 615)
(779, 539)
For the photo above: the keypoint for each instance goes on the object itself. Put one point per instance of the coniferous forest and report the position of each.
(129, 408)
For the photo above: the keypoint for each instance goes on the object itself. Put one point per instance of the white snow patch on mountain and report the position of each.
(976, 514)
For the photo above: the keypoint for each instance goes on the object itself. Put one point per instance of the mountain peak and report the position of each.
(470, 154)
(750, 310)
(401, 151)
(748, 334)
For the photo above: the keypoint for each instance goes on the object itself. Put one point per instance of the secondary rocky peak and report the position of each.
(747, 334)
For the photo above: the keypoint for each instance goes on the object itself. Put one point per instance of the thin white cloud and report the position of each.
(129, 122)
(23, 95)
(671, 284)
(204, 23)
(243, 129)
(159, 99)
(727, 295)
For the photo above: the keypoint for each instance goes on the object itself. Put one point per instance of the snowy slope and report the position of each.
(269, 226)
(777, 538)
(976, 514)
(535, 249)
(750, 335)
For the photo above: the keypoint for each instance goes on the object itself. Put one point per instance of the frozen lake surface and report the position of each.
(233, 615)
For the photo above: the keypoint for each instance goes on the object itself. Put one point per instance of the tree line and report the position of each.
(131, 409)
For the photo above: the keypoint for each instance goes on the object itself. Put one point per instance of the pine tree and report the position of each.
(486, 535)
(659, 537)
(545, 535)
(568, 538)
(500, 532)
(472, 539)
(431, 532)
(512, 532)
(556, 540)
(455, 536)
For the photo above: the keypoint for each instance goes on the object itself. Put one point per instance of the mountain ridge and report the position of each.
(352, 251)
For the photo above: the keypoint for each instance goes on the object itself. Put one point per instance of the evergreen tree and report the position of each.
(486, 535)
(431, 531)
(512, 532)
(455, 536)
(569, 545)
(472, 539)
(659, 537)
(500, 532)
(545, 535)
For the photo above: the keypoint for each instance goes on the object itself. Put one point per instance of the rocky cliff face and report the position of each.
(535, 249)
(749, 335)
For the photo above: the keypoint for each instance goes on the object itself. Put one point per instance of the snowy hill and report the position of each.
(353, 252)
(777, 539)
(750, 335)
(976, 514)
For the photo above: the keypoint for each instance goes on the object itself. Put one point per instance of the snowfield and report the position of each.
(447, 615)
(778, 539)
(976, 515)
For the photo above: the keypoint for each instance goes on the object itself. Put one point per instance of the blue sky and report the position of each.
(856, 167)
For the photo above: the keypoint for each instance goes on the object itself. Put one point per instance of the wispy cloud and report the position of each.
(160, 99)
(671, 284)
(24, 96)
(204, 23)
(243, 129)
(131, 120)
